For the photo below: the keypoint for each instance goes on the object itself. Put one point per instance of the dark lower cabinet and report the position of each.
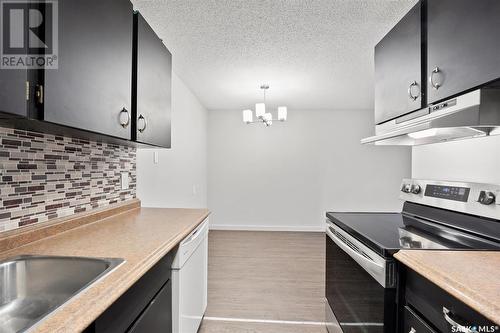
(151, 95)
(398, 63)
(427, 308)
(463, 45)
(145, 307)
(91, 88)
(413, 323)
(156, 317)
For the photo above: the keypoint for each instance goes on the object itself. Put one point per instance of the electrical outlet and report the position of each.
(124, 180)
(195, 189)
(155, 157)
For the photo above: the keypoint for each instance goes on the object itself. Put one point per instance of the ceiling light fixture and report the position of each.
(260, 112)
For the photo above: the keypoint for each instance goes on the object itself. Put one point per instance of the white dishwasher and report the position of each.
(189, 281)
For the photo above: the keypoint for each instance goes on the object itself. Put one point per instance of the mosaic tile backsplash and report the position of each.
(45, 176)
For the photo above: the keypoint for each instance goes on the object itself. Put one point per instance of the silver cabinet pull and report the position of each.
(124, 118)
(460, 328)
(410, 93)
(412, 330)
(143, 128)
(431, 78)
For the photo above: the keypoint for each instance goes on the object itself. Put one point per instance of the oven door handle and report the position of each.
(375, 269)
(350, 251)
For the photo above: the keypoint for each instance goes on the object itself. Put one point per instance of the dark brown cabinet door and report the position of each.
(152, 97)
(145, 305)
(463, 46)
(438, 308)
(94, 80)
(157, 316)
(13, 80)
(13, 92)
(398, 64)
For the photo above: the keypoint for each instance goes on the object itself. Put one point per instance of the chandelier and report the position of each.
(260, 112)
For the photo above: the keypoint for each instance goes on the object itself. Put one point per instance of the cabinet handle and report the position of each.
(461, 328)
(141, 117)
(431, 78)
(412, 330)
(39, 93)
(27, 90)
(413, 84)
(124, 122)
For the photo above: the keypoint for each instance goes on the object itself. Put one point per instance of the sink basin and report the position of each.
(31, 287)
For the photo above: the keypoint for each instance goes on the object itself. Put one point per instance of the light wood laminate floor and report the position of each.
(263, 282)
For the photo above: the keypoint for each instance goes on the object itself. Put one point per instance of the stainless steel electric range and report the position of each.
(360, 269)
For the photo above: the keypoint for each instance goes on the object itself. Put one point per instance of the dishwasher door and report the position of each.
(189, 281)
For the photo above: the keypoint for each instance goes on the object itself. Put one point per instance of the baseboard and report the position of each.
(267, 228)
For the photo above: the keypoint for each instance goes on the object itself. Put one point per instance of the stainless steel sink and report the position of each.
(31, 287)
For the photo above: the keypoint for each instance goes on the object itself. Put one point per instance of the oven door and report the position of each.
(360, 286)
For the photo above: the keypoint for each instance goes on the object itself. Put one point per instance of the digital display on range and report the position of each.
(447, 192)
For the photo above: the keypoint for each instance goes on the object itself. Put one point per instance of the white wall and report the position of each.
(180, 177)
(286, 177)
(473, 160)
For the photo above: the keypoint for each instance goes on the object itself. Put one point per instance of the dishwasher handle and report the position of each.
(194, 235)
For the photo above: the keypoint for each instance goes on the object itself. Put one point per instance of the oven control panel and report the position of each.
(456, 193)
(471, 198)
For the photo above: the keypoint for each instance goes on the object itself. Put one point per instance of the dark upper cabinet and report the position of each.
(91, 89)
(151, 106)
(398, 63)
(463, 46)
(13, 83)
(112, 79)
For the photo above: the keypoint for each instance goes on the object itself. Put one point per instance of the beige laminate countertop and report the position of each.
(470, 276)
(141, 236)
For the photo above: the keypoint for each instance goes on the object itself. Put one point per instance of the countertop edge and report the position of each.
(127, 280)
(447, 283)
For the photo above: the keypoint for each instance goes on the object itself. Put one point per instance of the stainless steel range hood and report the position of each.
(474, 114)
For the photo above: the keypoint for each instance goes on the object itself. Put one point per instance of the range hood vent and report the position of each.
(475, 114)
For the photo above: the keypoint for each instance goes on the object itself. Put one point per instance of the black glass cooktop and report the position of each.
(386, 233)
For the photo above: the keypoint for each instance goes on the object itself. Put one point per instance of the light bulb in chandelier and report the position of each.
(247, 116)
(260, 110)
(282, 113)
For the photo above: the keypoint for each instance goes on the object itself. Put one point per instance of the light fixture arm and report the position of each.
(263, 121)
(264, 87)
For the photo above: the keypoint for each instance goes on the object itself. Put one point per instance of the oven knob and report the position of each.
(415, 189)
(486, 198)
(406, 188)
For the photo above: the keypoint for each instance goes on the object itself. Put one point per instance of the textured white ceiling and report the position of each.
(315, 54)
